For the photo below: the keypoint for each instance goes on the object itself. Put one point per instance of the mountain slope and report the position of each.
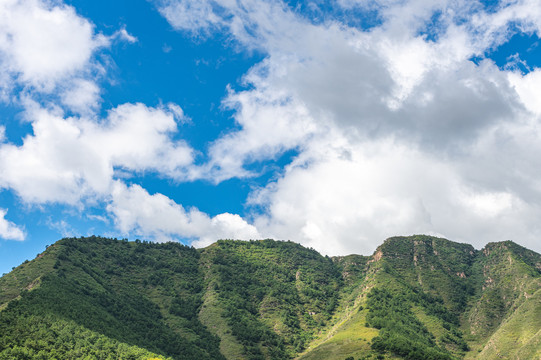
(123, 291)
(433, 298)
(411, 290)
(504, 315)
(415, 297)
(274, 295)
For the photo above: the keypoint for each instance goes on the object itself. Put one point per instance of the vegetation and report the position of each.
(275, 294)
(48, 337)
(401, 332)
(417, 297)
(108, 287)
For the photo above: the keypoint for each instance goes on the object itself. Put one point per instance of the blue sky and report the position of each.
(334, 124)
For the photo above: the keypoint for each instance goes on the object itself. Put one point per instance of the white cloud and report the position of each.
(9, 230)
(158, 217)
(349, 201)
(375, 83)
(178, 113)
(253, 23)
(62, 227)
(42, 43)
(46, 48)
(66, 160)
(271, 124)
(124, 35)
(528, 88)
(366, 85)
(194, 16)
(139, 138)
(78, 161)
(511, 17)
(398, 132)
(83, 97)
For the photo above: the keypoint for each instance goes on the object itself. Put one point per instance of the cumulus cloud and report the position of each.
(46, 48)
(397, 130)
(271, 124)
(528, 88)
(158, 217)
(82, 96)
(9, 230)
(66, 160)
(343, 202)
(43, 42)
(378, 83)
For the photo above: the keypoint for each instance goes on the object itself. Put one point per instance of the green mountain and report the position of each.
(416, 297)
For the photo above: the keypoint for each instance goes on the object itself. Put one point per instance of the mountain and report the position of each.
(417, 297)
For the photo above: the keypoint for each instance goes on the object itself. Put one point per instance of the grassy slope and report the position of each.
(212, 313)
(432, 276)
(440, 267)
(347, 334)
(519, 335)
(397, 265)
(504, 315)
(266, 299)
(350, 338)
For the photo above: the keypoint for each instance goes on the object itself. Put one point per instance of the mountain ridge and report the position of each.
(414, 297)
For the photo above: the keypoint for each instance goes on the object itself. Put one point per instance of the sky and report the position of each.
(334, 124)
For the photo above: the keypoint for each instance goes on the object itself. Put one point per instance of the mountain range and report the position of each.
(416, 297)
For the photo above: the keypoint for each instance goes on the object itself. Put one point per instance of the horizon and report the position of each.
(139, 241)
(335, 125)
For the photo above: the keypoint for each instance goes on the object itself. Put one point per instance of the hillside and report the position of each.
(416, 297)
